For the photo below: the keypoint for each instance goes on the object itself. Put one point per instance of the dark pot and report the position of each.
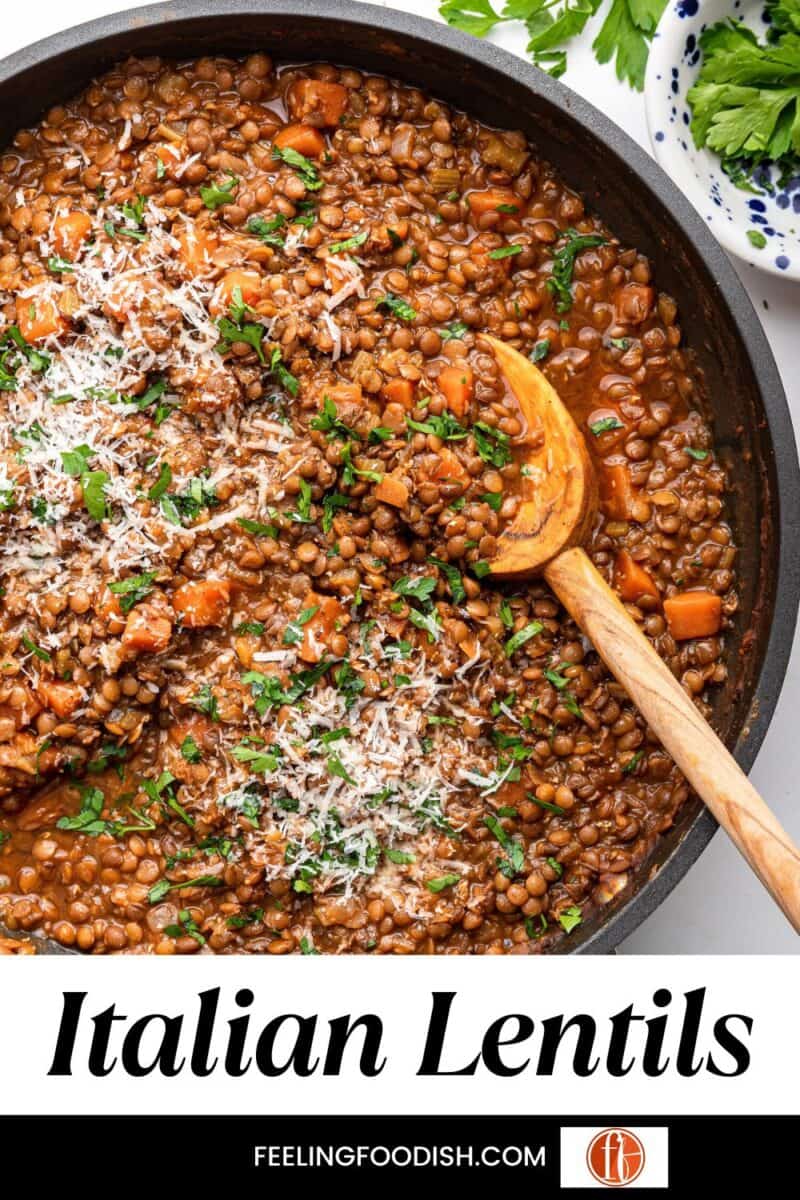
(632, 194)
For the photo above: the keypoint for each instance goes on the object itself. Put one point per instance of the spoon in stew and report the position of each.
(555, 516)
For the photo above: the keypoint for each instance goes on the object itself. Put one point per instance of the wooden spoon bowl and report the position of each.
(557, 512)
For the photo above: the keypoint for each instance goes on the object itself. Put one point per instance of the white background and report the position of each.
(399, 990)
(719, 907)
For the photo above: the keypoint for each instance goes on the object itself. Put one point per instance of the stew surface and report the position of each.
(256, 690)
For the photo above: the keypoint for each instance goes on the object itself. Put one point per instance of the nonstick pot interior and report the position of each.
(630, 192)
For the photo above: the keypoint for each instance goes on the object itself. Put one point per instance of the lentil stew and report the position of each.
(256, 691)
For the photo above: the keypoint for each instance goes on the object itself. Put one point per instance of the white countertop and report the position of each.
(719, 907)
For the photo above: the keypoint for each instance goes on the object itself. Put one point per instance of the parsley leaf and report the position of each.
(492, 444)
(266, 231)
(398, 307)
(133, 589)
(444, 881)
(453, 577)
(216, 195)
(560, 281)
(305, 169)
(518, 639)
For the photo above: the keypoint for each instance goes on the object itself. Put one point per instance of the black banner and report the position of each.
(708, 1150)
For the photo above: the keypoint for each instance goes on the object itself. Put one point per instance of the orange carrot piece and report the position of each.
(399, 391)
(305, 139)
(38, 318)
(693, 614)
(248, 283)
(196, 247)
(70, 231)
(329, 617)
(616, 490)
(632, 580)
(444, 465)
(146, 631)
(392, 490)
(317, 102)
(492, 201)
(62, 698)
(457, 385)
(202, 602)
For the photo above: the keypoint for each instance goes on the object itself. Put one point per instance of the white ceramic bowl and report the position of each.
(731, 213)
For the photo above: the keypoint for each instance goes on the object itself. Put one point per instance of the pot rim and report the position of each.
(479, 55)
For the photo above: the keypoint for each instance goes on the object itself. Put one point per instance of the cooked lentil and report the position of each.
(256, 692)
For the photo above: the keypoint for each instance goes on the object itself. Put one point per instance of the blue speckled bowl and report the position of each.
(730, 212)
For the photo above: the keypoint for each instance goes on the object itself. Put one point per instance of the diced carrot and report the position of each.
(492, 201)
(248, 283)
(317, 102)
(345, 394)
(399, 391)
(457, 385)
(397, 231)
(305, 139)
(633, 302)
(196, 247)
(444, 465)
(632, 580)
(108, 606)
(693, 614)
(196, 726)
(61, 698)
(146, 631)
(392, 490)
(70, 231)
(38, 318)
(616, 491)
(202, 602)
(329, 617)
(170, 155)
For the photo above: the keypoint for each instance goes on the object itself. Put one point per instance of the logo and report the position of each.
(615, 1157)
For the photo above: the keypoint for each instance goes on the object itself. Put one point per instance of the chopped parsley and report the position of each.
(445, 427)
(514, 864)
(267, 231)
(293, 633)
(351, 243)
(329, 423)
(32, 648)
(453, 577)
(133, 589)
(398, 307)
(444, 881)
(605, 425)
(205, 702)
(506, 251)
(570, 918)
(560, 281)
(454, 331)
(518, 639)
(161, 889)
(492, 444)
(217, 194)
(540, 350)
(190, 750)
(301, 165)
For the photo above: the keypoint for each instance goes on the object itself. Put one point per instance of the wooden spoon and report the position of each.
(556, 514)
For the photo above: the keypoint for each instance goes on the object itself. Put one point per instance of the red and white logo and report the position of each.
(615, 1157)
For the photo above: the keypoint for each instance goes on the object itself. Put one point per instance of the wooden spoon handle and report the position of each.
(672, 716)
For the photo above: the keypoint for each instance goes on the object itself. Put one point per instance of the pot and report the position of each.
(753, 429)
